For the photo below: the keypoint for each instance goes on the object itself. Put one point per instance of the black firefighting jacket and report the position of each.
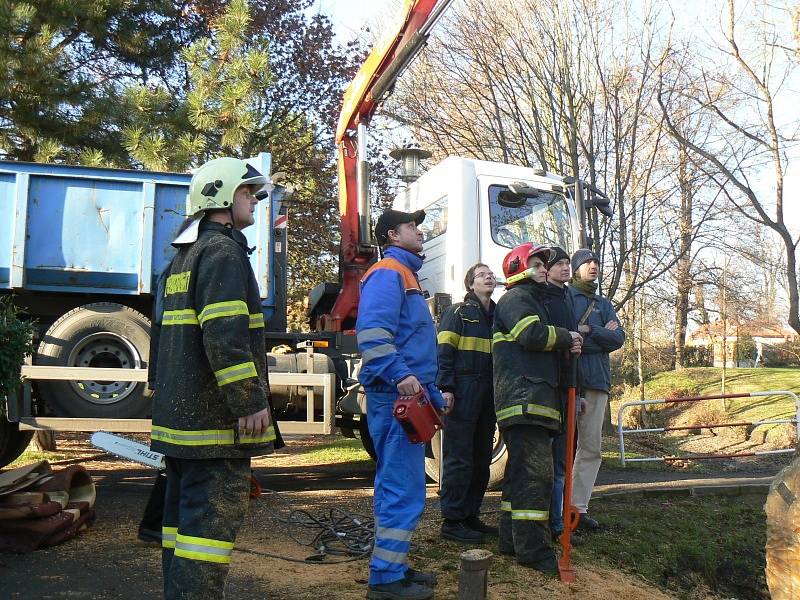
(525, 353)
(211, 366)
(465, 349)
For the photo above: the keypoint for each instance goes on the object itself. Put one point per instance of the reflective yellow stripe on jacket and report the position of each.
(238, 372)
(465, 342)
(207, 437)
(515, 332)
(186, 316)
(230, 308)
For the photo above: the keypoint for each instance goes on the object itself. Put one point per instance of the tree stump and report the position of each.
(473, 579)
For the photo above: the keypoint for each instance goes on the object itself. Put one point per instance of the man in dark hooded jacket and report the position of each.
(559, 307)
(602, 333)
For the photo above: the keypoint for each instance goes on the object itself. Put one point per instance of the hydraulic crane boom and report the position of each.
(371, 85)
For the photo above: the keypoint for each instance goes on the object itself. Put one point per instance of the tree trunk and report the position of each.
(683, 276)
(44, 441)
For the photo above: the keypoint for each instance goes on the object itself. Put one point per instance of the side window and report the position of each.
(435, 223)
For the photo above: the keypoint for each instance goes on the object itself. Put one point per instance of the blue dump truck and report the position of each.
(80, 252)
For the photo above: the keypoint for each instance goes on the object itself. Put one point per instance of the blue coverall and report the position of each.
(397, 338)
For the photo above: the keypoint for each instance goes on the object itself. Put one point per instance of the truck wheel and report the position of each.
(496, 468)
(366, 438)
(103, 334)
(12, 441)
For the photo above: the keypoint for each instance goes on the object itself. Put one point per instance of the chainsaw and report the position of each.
(128, 449)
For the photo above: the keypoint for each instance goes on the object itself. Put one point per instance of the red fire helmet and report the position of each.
(516, 261)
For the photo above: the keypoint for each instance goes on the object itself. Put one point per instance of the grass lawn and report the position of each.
(342, 450)
(685, 546)
(30, 456)
(708, 381)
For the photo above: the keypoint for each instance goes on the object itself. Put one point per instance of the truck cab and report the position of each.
(477, 211)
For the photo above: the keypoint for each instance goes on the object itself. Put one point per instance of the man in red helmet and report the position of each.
(526, 373)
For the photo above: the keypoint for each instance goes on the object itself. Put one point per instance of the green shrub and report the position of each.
(16, 342)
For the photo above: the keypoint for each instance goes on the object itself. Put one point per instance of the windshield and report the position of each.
(542, 220)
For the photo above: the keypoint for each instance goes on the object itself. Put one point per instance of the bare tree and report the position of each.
(742, 103)
(567, 86)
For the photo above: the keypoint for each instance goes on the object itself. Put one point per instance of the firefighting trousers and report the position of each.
(399, 490)
(527, 487)
(467, 446)
(205, 505)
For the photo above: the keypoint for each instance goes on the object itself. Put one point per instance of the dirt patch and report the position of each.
(108, 562)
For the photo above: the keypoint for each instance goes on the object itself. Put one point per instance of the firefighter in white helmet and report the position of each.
(211, 412)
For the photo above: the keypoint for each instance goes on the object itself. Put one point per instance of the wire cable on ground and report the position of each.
(338, 533)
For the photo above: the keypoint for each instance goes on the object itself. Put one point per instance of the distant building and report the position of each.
(763, 333)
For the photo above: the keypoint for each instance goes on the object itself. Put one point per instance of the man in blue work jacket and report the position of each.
(602, 333)
(397, 340)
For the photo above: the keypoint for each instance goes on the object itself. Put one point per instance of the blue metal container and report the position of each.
(105, 231)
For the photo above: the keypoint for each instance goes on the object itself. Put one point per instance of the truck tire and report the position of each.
(366, 438)
(103, 334)
(12, 441)
(496, 468)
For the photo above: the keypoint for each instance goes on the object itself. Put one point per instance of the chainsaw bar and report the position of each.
(128, 449)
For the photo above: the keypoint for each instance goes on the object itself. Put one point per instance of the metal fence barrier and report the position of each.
(622, 432)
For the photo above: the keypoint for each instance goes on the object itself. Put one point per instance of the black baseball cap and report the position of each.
(392, 218)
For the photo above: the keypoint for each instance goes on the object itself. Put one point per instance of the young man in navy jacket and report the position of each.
(602, 334)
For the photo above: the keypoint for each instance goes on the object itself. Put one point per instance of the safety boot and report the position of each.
(588, 524)
(547, 565)
(481, 527)
(426, 578)
(404, 589)
(459, 531)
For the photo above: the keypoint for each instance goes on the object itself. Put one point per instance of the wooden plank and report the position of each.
(82, 373)
(65, 424)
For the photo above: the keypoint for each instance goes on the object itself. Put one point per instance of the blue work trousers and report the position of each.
(399, 489)
(557, 501)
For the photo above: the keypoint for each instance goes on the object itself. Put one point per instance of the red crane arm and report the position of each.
(371, 85)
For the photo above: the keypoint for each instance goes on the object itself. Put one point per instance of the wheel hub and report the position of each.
(104, 350)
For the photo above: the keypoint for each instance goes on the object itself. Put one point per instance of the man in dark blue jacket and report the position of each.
(397, 340)
(602, 334)
(559, 306)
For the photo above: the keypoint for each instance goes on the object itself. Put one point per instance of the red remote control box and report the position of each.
(418, 416)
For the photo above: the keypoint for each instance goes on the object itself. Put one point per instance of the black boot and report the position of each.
(458, 531)
(481, 527)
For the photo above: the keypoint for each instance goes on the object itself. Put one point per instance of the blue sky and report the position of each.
(349, 16)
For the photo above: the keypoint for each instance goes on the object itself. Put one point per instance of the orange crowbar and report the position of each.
(565, 571)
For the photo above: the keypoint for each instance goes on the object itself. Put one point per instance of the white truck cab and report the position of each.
(477, 211)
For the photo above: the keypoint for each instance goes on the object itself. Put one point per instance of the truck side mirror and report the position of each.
(517, 194)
